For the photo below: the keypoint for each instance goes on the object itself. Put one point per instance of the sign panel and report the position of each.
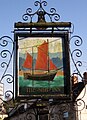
(41, 66)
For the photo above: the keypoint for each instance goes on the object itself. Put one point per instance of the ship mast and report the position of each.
(32, 63)
(48, 56)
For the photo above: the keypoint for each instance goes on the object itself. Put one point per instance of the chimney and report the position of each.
(85, 77)
(74, 79)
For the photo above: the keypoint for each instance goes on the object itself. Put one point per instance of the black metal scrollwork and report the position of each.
(30, 116)
(79, 103)
(9, 95)
(6, 60)
(53, 16)
(76, 53)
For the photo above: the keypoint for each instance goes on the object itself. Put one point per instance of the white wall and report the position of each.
(82, 105)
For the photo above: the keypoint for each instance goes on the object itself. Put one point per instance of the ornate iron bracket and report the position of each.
(41, 13)
(41, 20)
(76, 53)
(6, 54)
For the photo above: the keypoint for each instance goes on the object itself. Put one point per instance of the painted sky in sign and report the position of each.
(31, 44)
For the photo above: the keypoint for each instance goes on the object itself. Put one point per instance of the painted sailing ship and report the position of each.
(43, 63)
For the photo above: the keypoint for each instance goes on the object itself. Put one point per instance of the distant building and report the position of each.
(2, 109)
(74, 79)
(65, 110)
(82, 101)
(60, 111)
(1, 91)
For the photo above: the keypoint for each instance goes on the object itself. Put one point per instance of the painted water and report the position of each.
(41, 87)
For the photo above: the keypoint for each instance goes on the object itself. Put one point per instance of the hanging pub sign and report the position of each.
(42, 69)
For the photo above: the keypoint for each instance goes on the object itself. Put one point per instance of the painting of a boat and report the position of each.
(44, 68)
(49, 76)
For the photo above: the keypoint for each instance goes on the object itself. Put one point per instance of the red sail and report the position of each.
(43, 62)
(52, 66)
(28, 61)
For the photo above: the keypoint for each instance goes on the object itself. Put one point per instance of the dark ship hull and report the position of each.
(42, 77)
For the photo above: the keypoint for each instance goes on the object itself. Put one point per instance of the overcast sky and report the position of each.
(74, 11)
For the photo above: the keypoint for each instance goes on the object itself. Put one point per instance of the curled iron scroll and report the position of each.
(29, 15)
(76, 53)
(6, 55)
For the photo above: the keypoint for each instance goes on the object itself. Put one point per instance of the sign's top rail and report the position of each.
(40, 24)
